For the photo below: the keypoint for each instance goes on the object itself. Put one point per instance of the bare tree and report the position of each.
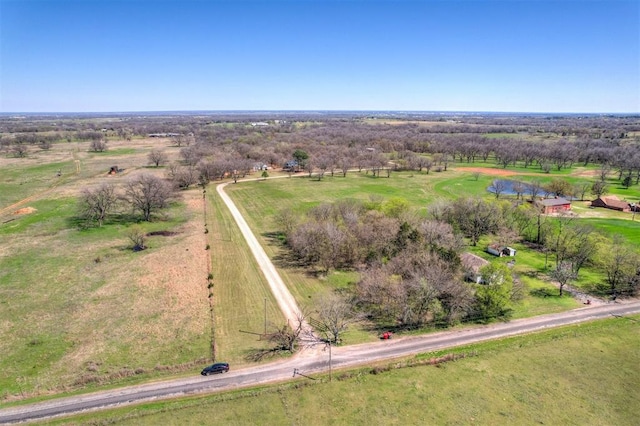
(380, 293)
(20, 150)
(558, 187)
(157, 157)
(580, 189)
(98, 145)
(519, 188)
(309, 166)
(287, 337)
(620, 263)
(535, 188)
(599, 188)
(335, 314)
(474, 217)
(185, 176)
(97, 203)
(584, 247)
(563, 274)
(323, 163)
(172, 170)
(137, 236)
(287, 221)
(446, 159)
(191, 155)
(498, 187)
(344, 163)
(147, 194)
(603, 172)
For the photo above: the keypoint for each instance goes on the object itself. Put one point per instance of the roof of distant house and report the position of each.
(613, 201)
(472, 261)
(554, 201)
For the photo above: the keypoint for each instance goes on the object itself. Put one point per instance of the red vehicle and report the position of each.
(386, 335)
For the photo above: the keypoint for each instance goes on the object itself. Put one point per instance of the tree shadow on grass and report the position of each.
(274, 238)
(544, 292)
(122, 219)
(286, 259)
(117, 219)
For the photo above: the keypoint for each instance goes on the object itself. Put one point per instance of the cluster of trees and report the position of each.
(144, 195)
(337, 142)
(410, 267)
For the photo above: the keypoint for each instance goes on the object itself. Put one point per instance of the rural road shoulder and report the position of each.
(347, 356)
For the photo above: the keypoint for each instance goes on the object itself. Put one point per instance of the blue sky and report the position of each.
(143, 55)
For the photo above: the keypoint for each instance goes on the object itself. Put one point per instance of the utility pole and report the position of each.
(265, 316)
(329, 361)
(633, 209)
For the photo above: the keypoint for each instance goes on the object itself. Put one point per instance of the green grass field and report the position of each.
(578, 375)
(241, 293)
(79, 310)
(260, 201)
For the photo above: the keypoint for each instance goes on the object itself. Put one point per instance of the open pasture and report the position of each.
(79, 309)
(577, 375)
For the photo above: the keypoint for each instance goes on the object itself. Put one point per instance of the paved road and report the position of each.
(310, 363)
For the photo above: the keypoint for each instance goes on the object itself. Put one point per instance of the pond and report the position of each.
(509, 185)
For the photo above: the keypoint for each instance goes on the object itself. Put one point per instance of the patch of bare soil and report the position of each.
(180, 270)
(585, 173)
(488, 171)
(25, 210)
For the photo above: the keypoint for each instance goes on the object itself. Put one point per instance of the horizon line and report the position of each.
(318, 111)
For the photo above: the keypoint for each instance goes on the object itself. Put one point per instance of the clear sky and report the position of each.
(143, 55)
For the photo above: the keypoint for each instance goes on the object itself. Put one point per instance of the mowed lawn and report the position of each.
(261, 201)
(578, 375)
(241, 295)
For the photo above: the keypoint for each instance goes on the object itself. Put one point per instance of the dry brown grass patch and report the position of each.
(25, 210)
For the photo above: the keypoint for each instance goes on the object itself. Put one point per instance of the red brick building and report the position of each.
(553, 205)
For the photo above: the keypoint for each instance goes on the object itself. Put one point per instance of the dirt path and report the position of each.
(581, 296)
(285, 300)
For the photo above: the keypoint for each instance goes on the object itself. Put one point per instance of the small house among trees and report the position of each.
(471, 264)
(259, 167)
(291, 165)
(553, 205)
(611, 202)
(500, 251)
